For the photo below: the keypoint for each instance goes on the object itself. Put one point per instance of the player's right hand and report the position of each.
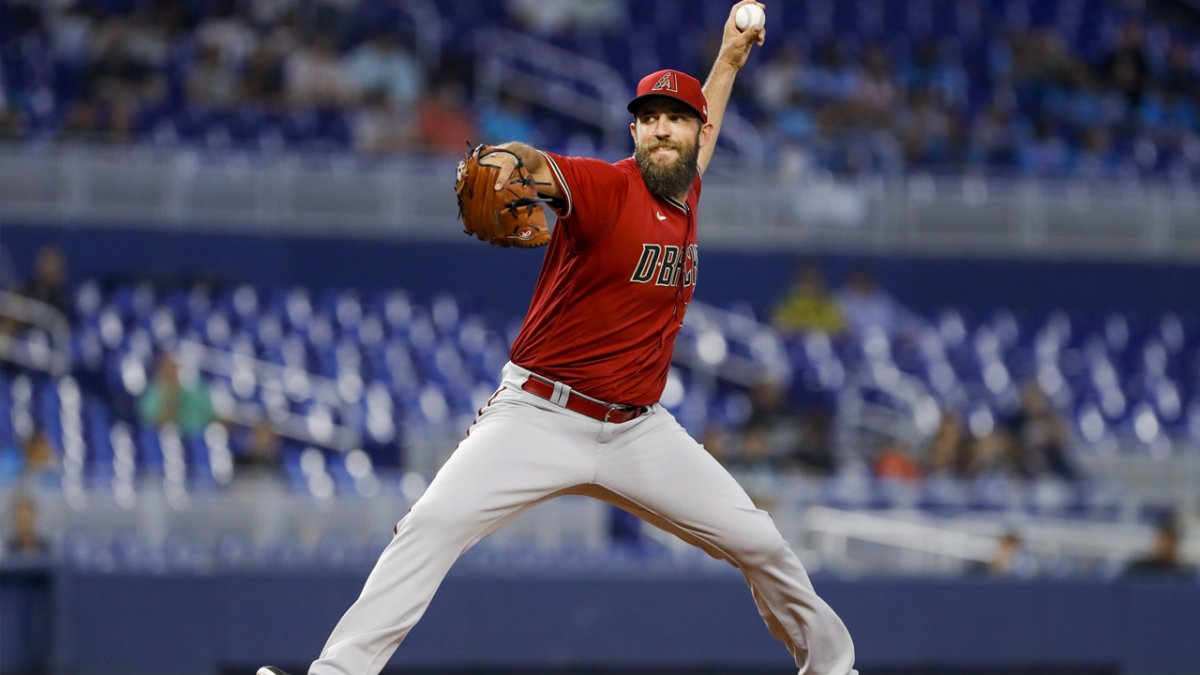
(736, 44)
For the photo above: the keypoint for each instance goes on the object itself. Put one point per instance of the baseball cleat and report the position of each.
(270, 670)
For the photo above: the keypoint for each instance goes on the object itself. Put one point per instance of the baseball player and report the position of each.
(577, 410)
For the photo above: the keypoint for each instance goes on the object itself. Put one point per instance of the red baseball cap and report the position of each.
(672, 84)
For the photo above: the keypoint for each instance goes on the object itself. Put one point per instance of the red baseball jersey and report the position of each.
(619, 272)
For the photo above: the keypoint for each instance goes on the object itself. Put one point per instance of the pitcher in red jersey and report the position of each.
(577, 411)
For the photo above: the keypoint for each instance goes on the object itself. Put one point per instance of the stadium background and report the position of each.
(261, 189)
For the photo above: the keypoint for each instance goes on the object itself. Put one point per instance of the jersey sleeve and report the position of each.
(592, 193)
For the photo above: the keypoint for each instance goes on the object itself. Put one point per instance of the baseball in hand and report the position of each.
(749, 16)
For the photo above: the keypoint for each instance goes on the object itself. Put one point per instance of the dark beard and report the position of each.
(672, 180)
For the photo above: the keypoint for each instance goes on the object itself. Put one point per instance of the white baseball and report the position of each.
(750, 16)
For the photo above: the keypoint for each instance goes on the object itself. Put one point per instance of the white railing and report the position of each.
(538, 72)
(864, 427)
(292, 383)
(412, 197)
(44, 341)
(914, 542)
(427, 30)
(730, 346)
(576, 86)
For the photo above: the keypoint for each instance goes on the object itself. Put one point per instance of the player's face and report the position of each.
(666, 137)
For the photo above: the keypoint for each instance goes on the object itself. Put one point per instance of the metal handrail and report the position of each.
(302, 193)
(1076, 543)
(428, 29)
(539, 72)
(856, 414)
(272, 376)
(55, 358)
(712, 324)
(561, 80)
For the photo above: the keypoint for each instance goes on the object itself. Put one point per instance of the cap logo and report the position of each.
(667, 82)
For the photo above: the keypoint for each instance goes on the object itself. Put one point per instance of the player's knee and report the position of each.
(439, 520)
(756, 546)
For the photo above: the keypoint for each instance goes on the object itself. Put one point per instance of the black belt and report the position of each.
(584, 405)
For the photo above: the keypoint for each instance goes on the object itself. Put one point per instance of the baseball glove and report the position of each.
(510, 216)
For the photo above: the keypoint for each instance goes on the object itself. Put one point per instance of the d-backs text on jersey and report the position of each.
(660, 264)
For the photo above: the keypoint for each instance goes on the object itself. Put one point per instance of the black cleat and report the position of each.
(270, 670)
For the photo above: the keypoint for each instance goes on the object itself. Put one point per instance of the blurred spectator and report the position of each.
(81, 122)
(779, 77)
(1038, 437)
(333, 16)
(168, 399)
(866, 306)
(444, 122)
(896, 462)
(1166, 112)
(795, 121)
(24, 540)
(13, 123)
(118, 123)
(928, 68)
(1164, 558)
(382, 64)
(257, 449)
(262, 77)
(1048, 152)
(211, 81)
(718, 441)
(600, 15)
(951, 452)
(32, 464)
(314, 76)
(1009, 560)
(1090, 103)
(548, 17)
(830, 77)
(71, 34)
(771, 432)
(875, 91)
(808, 305)
(996, 137)
(925, 128)
(1041, 98)
(117, 65)
(227, 33)
(778, 435)
(1181, 73)
(1097, 158)
(49, 281)
(380, 127)
(1125, 67)
(48, 285)
(507, 117)
(265, 13)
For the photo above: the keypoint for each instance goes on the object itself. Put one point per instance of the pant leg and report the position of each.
(659, 472)
(516, 454)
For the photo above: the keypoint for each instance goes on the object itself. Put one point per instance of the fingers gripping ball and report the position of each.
(750, 16)
(510, 216)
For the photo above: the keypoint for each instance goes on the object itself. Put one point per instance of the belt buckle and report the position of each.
(616, 407)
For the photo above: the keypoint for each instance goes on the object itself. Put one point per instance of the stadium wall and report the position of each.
(99, 623)
(500, 280)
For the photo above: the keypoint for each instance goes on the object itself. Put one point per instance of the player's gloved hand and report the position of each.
(498, 200)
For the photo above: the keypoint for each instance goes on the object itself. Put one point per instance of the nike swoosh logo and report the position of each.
(659, 215)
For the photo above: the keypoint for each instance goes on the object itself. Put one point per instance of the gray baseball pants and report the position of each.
(523, 450)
